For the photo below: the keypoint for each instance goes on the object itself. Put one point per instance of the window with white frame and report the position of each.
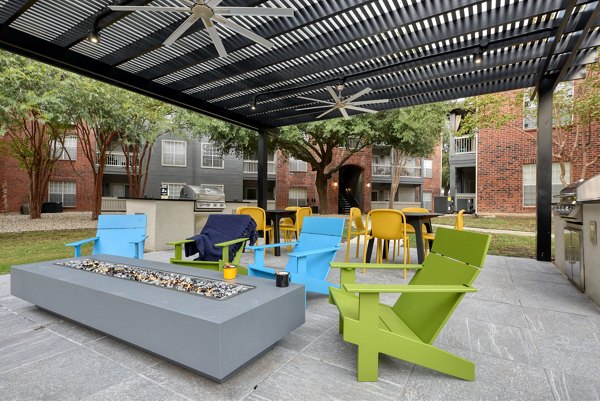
(529, 176)
(174, 153)
(69, 148)
(427, 200)
(298, 165)
(428, 164)
(173, 189)
(64, 192)
(297, 196)
(211, 156)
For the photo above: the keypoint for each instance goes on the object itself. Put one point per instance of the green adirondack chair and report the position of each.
(408, 329)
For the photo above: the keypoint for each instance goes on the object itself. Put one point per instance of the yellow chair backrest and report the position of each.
(460, 223)
(301, 213)
(414, 210)
(257, 213)
(356, 218)
(292, 208)
(387, 223)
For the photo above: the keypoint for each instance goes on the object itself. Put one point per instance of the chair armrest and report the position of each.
(349, 266)
(83, 241)
(140, 240)
(395, 288)
(313, 252)
(183, 241)
(260, 247)
(232, 242)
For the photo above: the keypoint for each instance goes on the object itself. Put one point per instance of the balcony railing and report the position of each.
(464, 144)
(116, 159)
(385, 170)
(251, 166)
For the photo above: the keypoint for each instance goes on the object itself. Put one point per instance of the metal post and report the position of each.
(262, 169)
(544, 171)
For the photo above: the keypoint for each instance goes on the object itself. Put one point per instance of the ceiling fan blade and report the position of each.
(328, 111)
(214, 35)
(333, 94)
(185, 25)
(316, 100)
(313, 107)
(243, 31)
(149, 8)
(357, 95)
(351, 107)
(344, 113)
(375, 101)
(261, 11)
(213, 3)
(189, 2)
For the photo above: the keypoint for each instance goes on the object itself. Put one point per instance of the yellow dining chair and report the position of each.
(294, 229)
(260, 218)
(409, 228)
(459, 224)
(287, 222)
(386, 225)
(356, 228)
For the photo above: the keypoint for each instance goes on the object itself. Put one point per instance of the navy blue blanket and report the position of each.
(221, 228)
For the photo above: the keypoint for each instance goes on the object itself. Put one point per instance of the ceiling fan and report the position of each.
(208, 12)
(340, 103)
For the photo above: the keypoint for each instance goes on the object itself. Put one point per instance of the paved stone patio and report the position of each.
(532, 334)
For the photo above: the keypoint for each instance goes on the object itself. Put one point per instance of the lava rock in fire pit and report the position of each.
(214, 289)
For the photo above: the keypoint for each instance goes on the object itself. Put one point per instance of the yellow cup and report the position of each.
(229, 273)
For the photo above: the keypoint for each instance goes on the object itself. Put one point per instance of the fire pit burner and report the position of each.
(214, 289)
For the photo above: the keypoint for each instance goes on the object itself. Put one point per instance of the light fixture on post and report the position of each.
(335, 184)
(368, 185)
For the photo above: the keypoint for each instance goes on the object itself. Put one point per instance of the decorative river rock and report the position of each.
(215, 289)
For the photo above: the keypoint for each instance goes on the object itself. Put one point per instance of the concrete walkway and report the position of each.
(532, 335)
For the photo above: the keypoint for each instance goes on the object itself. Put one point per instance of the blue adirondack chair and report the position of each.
(121, 235)
(308, 262)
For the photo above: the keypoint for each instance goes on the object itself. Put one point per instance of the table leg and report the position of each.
(416, 223)
(370, 249)
(275, 226)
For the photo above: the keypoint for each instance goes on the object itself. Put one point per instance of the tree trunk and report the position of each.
(321, 183)
(98, 179)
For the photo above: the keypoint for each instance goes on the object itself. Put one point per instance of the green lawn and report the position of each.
(37, 246)
(515, 223)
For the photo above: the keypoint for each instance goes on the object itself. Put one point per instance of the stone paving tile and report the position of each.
(562, 324)
(30, 346)
(579, 305)
(307, 378)
(566, 387)
(136, 388)
(196, 387)
(550, 277)
(74, 332)
(71, 375)
(331, 348)
(4, 286)
(495, 312)
(124, 354)
(495, 262)
(531, 265)
(495, 294)
(12, 324)
(29, 311)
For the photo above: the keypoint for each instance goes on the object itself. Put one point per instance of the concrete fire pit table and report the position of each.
(215, 337)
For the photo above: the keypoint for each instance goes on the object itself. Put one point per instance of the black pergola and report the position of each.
(408, 51)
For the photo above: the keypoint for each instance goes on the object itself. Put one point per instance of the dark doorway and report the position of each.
(350, 193)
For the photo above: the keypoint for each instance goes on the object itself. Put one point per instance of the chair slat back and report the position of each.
(117, 232)
(319, 232)
(387, 224)
(467, 246)
(356, 218)
(427, 313)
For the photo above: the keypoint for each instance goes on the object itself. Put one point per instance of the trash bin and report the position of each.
(52, 207)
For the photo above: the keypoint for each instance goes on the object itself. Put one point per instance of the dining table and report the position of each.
(275, 216)
(417, 220)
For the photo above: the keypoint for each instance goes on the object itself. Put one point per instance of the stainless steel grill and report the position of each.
(206, 198)
(573, 195)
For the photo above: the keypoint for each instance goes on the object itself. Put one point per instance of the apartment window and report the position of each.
(173, 189)
(70, 148)
(297, 196)
(174, 153)
(565, 89)
(298, 165)
(428, 164)
(529, 181)
(211, 156)
(374, 196)
(427, 200)
(62, 191)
